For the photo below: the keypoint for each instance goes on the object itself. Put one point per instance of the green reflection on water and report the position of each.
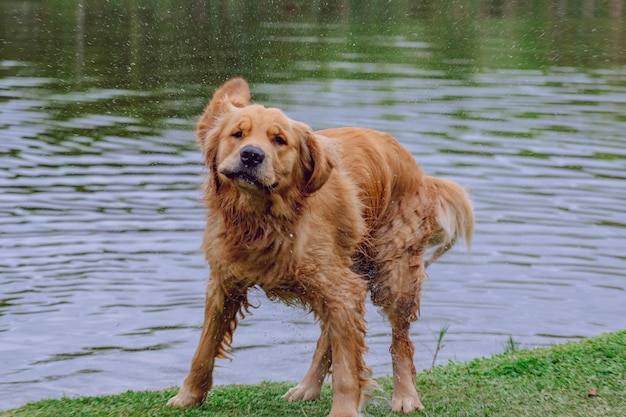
(143, 45)
(160, 60)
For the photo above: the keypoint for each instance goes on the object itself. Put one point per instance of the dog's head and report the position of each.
(259, 151)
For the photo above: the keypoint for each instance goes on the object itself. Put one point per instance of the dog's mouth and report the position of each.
(248, 180)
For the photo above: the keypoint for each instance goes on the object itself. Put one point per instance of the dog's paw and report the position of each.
(303, 392)
(185, 399)
(406, 403)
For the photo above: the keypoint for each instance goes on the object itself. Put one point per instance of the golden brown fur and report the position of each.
(318, 219)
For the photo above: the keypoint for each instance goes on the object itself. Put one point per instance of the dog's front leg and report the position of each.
(341, 310)
(220, 321)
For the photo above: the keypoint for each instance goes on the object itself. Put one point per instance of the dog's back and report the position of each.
(381, 168)
(387, 175)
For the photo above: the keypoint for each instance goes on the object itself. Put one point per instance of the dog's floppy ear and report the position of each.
(316, 163)
(234, 92)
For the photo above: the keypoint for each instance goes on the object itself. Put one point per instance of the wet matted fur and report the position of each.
(318, 219)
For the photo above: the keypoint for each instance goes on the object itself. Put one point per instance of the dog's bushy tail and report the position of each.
(454, 217)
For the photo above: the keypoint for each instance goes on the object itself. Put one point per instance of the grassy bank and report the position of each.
(585, 378)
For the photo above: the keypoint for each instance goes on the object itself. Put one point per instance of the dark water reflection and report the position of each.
(101, 280)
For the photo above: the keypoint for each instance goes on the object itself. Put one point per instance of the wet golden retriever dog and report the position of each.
(317, 219)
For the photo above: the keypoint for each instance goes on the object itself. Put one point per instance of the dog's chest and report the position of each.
(263, 262)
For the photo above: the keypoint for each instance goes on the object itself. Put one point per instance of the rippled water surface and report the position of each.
(101, 278)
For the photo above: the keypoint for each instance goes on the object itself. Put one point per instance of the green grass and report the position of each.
(584, 378)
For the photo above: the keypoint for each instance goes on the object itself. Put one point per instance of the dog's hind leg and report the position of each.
(311, 385)
(405, 396)
(397, 290)
(220, 321)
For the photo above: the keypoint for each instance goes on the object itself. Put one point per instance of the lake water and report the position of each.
(101, 278)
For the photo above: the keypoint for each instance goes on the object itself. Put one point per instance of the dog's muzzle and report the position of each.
(249, 169)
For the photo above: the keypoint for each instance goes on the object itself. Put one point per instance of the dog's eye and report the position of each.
(238, 134)
(279, 140)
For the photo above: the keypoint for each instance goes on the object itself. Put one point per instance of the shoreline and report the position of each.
(579, 378)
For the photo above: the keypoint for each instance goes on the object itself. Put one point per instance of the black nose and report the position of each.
(251, 156)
